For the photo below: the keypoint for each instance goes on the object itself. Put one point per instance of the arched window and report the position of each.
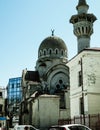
(50, 51)
(56, 51)
(44, 52)
(79, 30)
(82, 29)
(62, 52)
(65, 53)
(40, 53)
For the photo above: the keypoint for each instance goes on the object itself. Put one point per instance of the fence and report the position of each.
(92, 121)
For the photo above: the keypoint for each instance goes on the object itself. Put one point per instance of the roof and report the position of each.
(32, 76)
(52, 42)
(49, 96)
(93, 49)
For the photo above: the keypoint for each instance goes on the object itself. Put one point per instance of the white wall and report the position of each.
(91, 82)
(48, 110)
(45, 111)
(35, 113)
(94, 103)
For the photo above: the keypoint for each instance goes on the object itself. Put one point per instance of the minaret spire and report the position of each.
(83, 25)
(82, 6)
(82, 2)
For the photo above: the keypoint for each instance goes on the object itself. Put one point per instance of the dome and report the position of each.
(52, 45)
(52, 42)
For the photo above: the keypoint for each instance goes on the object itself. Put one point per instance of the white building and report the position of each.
(85, 82)
(84, 67)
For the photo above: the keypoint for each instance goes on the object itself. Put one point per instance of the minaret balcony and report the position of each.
(82, 17)
(83, 28)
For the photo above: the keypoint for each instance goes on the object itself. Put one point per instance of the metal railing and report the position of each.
(92, 121)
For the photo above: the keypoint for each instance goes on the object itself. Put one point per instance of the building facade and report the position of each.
(48, 83)
(85, 82)
(84, 67)
(2, 108)
(14, 97)
(71, 87)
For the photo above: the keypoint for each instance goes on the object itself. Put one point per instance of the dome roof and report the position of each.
(52, 46)
(52, 42)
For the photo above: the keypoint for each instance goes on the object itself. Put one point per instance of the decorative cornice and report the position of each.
(83, 17)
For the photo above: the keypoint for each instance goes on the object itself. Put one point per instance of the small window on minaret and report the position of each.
(83, 29)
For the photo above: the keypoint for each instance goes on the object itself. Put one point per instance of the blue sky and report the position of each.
(25, 23)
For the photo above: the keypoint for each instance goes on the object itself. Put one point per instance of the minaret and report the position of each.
(83, 25)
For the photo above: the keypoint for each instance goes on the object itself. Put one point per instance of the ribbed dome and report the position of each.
(52, 43)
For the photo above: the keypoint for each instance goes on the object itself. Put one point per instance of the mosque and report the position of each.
(58, 88)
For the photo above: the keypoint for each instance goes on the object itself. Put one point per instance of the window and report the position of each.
(80, 78)
(17, 85)
(40, 54)
(0, 94)
(44, 52)
(73, 128)
(82, 128)
(81, 106)
(62, 52)
(79, 30)
(83, 29)
(50, 51)
(62, 101)
(57, 128)
(56, 51)
(0, 107)
(12, 85)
